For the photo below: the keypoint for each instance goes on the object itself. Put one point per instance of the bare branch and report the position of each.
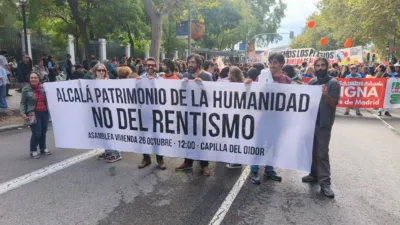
(73, 5)
(88, 12)
(150, 8)
(169, 7)
(56, 15)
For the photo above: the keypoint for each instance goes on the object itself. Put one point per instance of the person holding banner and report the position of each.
(236, 76)
(195, 65)
(320, 168)
(171, 72)
(353, 74)
(276, 62)
(100, 72)
(150, 69)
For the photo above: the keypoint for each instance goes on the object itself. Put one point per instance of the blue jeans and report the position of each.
(254, 168)
(3, 103)
(39, 131)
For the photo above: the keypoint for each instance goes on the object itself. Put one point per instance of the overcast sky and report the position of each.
(296, 14)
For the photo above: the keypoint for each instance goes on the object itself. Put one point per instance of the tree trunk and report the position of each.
(131, 41)
(85, 38)
(156, 35)
(156, 19)
(82, 24)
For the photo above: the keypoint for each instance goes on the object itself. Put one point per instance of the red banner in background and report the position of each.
(360, 93)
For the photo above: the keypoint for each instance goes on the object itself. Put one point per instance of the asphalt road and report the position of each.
(365, 160)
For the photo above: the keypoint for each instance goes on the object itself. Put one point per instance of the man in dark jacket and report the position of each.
(68, 65)
(77, 74)
(320, 168)
(23, 69)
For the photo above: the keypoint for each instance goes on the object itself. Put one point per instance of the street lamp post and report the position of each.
(23, 5)
(190, 29)
(247, 35)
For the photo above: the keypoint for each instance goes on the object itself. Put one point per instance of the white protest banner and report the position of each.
(263, 124)
(349, 56)
(298, 56)
(392, 94)
(342, 56)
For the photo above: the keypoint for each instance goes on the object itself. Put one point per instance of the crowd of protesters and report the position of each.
(33, 99)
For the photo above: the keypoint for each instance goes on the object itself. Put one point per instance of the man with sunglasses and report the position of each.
(170, 74)
(150, 69)
(320, 167)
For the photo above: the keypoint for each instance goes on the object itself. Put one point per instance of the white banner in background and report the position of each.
(342, 56)
(392, 95)
(228, 122)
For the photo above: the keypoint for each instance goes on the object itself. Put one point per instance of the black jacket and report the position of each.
(75, 75)
(23, 71)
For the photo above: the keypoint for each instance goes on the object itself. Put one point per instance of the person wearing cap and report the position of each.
(78, 73)
(397, 67)
(353, 74)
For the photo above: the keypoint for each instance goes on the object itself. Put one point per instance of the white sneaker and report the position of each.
(35, 155)
(45, 152)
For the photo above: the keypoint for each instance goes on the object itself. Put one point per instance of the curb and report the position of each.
(8, 112)
(14, 127)
(11, 127)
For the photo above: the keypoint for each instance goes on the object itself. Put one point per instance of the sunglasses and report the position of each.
(101, 71)
(151, 65)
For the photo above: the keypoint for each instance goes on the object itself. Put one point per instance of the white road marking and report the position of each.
(383, 121)
(226, 204)
(27, 178)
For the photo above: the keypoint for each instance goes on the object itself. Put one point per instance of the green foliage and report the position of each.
(170, 43)
(267, 15)
(9, 13)
(365, 21)
(220, 23)
(226, 23)
(125, 21)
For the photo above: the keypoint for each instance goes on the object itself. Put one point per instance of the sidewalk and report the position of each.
(10, 118)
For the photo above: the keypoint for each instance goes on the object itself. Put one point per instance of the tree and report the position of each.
(8, 12)
(122, 20)
(157, 15)
(310, 38)
(220, 22)
(365, 21)
(226, 23)
(81, 11)
(268, 15)
(157, 11)
(170, 42)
